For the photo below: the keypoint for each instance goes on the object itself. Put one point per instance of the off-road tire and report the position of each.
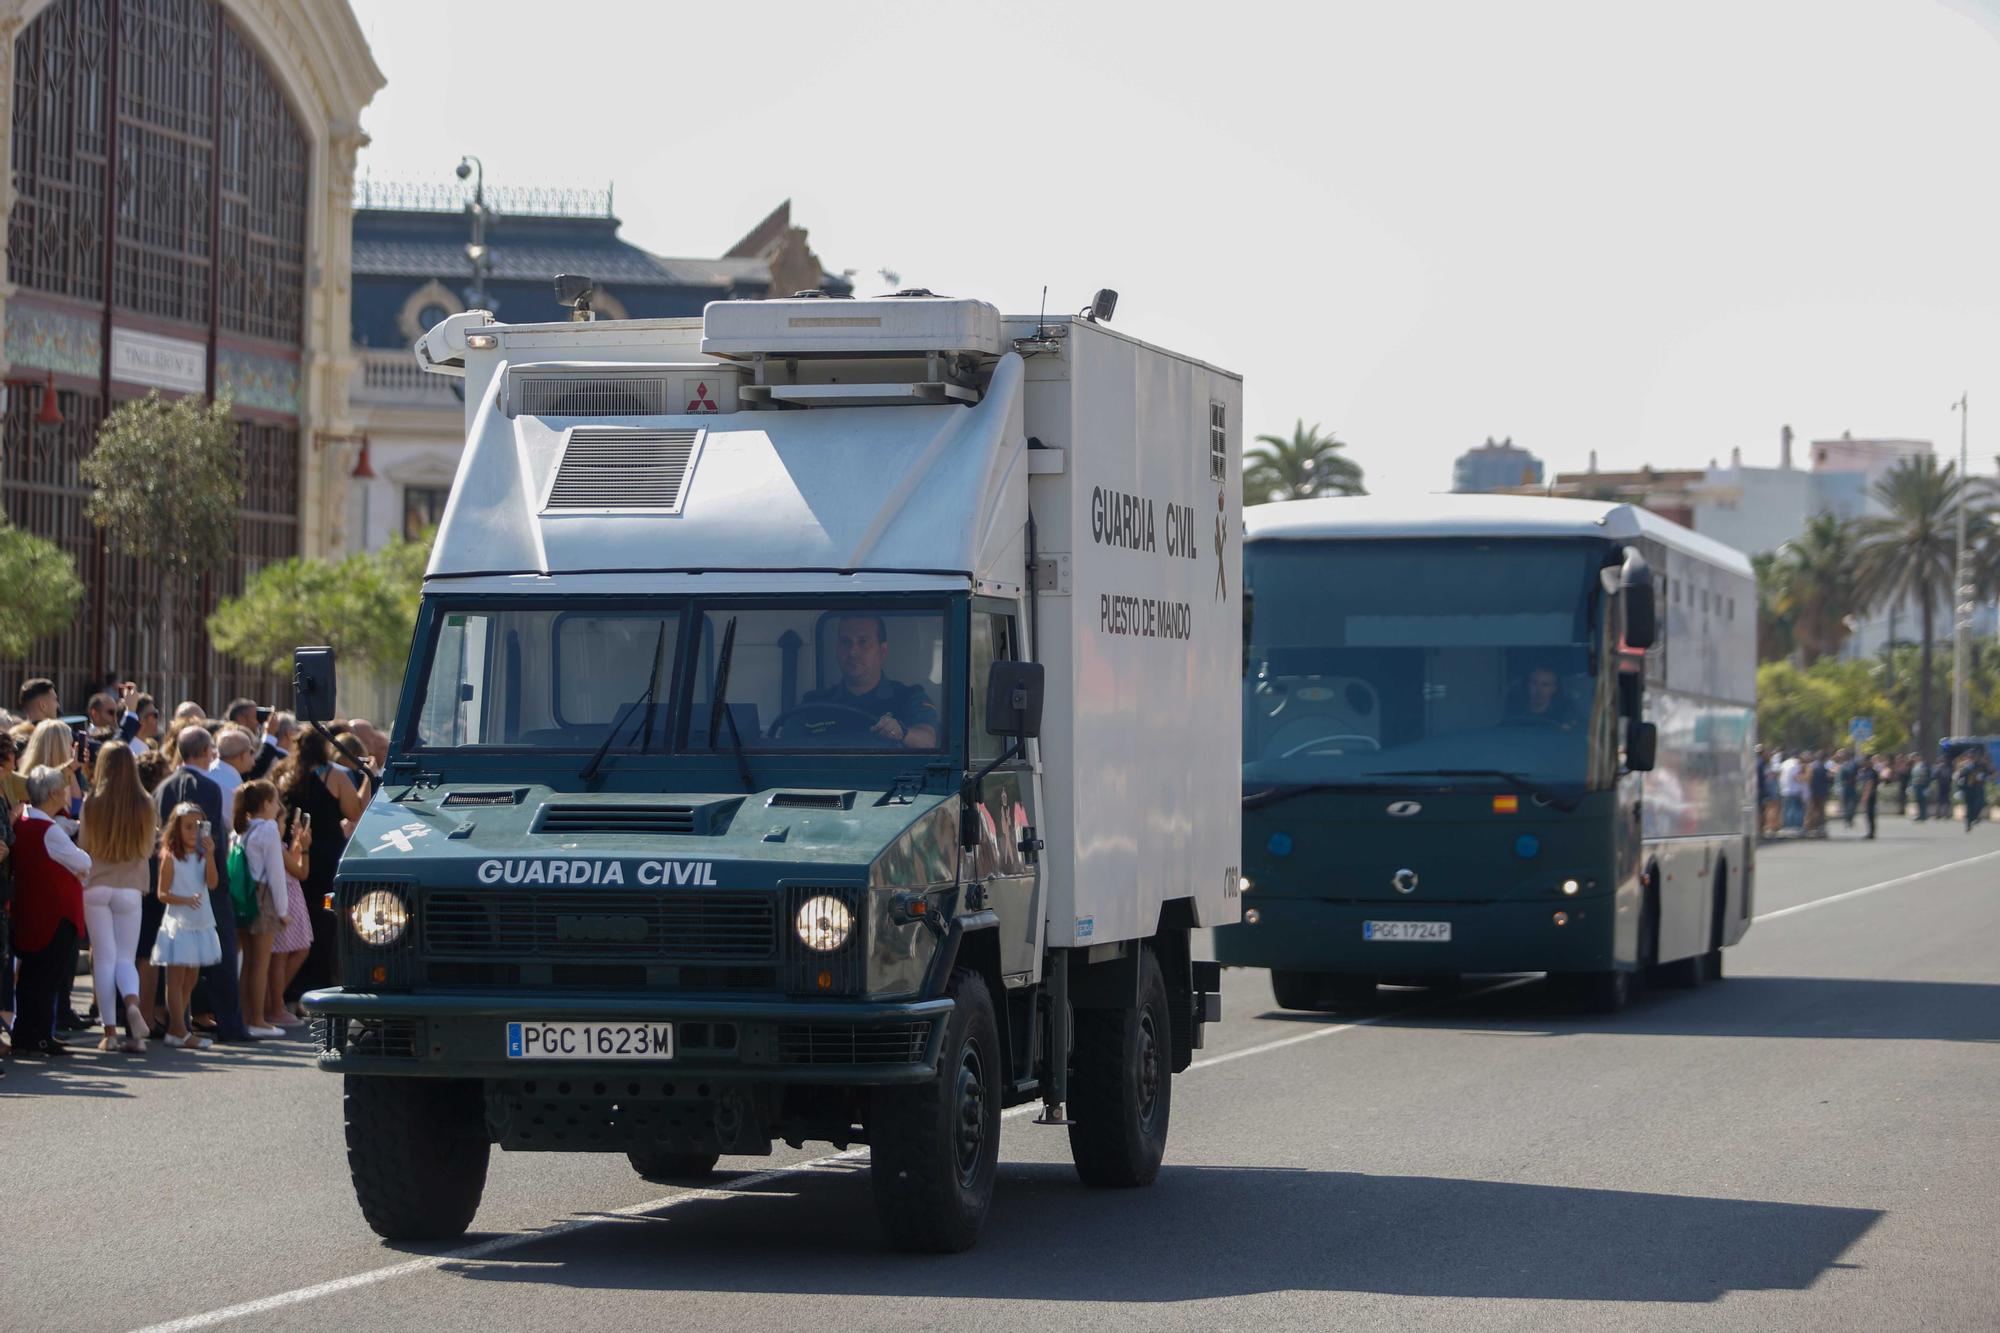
(1121, 1086)
(417, 1150)
(934, 1147)
(1313, 992)
(672, 1168)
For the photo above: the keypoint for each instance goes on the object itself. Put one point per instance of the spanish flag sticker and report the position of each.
(1506, 805)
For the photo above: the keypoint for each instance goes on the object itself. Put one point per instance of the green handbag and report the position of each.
(242, 887)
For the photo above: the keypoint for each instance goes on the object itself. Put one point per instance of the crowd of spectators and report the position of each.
(190, 855)
(1796, 789)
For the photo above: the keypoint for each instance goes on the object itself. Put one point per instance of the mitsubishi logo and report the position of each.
(1405, 881)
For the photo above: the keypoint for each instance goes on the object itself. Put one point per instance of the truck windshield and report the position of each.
(1382, 661)
(556, 678)
(831, 674)
(826, 675)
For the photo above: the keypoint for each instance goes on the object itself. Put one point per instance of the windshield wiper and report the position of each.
(719, 711)
(1284, 790)
(589, 773)
(1520, 782)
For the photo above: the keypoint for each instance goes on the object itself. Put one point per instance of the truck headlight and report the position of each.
(824, 923)
(379, 918)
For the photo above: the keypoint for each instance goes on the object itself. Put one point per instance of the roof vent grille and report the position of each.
(591, 396)
(624, 469)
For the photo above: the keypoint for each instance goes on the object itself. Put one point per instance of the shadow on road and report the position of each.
(1819, 1007)
(86, 1072)
(1213, 1232)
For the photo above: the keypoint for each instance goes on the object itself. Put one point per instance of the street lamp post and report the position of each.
(1961, 637)
(482, 263)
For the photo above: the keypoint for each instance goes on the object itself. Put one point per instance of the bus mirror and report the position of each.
(1642, 746)
(1014, 699)
(1635, 586)
(313, 684)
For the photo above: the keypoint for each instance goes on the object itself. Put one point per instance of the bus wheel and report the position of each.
(934, 1147)
(1314, 991)
(417, 1150)
(1595, 992)
(1121, 1086)
(672, 1168)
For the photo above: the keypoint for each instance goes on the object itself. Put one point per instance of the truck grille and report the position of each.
(616, 819)
(845, 1044)
(594, 926)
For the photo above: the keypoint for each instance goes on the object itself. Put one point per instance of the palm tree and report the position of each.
(1818, 588)
(1775, 638)
(1910, 552)
(1308, 464)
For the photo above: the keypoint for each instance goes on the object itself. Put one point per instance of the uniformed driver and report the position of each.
(904, 715)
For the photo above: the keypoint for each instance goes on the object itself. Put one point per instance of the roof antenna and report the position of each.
(1043, 318)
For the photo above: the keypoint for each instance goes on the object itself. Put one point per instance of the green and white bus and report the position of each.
(1489, 734)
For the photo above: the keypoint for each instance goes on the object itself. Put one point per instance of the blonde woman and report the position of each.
(53, 745)
(118, 830)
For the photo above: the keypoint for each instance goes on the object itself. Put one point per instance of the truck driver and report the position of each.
(904, 714)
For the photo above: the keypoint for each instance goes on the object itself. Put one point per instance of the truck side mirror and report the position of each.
(1635, 588)
(1631, 694)
(1014, 699)
(1642, 745)
(313, 684)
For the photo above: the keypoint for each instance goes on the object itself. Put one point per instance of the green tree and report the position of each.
(166, 481)
(364, 608)
(1308, 464)
(1909, 553)
(39, 590)
(1794, 711)
(1818, 586)
(1775, 639)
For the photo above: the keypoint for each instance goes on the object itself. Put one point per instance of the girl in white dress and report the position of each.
(187, 941)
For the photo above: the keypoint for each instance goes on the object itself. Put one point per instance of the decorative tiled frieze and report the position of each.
(53, 340)
(254, 380)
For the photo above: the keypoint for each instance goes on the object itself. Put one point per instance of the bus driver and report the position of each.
(904, 714)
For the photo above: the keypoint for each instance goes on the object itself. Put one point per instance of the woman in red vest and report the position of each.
(48, 909)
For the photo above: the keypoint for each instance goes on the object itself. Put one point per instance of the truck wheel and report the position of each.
(672, 1168)
(934, 1148)
(1121, 1086)
(417, 1149)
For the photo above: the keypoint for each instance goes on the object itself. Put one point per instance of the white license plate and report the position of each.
(590, 1041)
(1425, 932)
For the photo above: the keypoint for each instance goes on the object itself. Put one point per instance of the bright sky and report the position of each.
(1653, 230)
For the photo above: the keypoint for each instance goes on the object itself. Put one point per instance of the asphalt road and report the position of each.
(1813, 1143)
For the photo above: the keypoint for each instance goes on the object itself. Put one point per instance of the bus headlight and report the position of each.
(824, 923)
(1571, 888)
(379, 918)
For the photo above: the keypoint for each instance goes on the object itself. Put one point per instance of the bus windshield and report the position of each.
(1382, 661)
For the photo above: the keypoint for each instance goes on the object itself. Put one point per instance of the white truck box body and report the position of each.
(1136, 497)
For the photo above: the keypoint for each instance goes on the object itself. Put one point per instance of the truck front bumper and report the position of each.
(464, 1035)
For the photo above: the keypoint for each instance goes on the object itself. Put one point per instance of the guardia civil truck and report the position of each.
(820, 725)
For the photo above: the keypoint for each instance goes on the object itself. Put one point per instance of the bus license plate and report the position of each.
(590, 1041)
(1425, 932)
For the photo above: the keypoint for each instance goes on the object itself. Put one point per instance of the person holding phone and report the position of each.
(293, 944)
(312, 784)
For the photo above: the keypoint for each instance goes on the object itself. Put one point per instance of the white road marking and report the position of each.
(502, 1244)
(1875, 888)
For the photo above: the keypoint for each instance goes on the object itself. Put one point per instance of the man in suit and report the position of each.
(190, 783)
